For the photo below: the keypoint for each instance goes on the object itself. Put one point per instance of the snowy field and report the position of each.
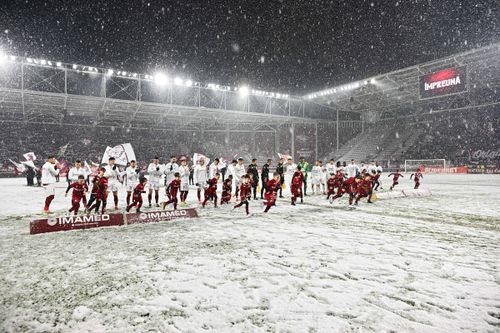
(404, 265)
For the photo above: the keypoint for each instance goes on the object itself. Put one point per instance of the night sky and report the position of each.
(287, 46)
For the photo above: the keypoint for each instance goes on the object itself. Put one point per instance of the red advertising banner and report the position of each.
(462, 169)
(64, 223)
(445, 82)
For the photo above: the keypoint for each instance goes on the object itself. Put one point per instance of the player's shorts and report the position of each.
(50, 189)
(315, 180)
(113, 186)
(130, 187)
(184, 187)
(154, 185)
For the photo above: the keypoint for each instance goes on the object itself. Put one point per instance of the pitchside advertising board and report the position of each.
(444, 82)
(65, 223)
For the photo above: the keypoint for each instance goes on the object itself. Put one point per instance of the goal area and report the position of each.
(432, 165)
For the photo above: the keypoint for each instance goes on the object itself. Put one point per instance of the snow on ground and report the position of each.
(404, 265)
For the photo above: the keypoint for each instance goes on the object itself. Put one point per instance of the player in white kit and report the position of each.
(239, 172)
(352, 170)
(75, 172)
(184, 172)
(330, 167)
(155, 172)
(171, 168)
(290, 169)
(213, 169)
(112, 173)
(200, 178)
(49, 172)
(132, 179)
(316, 177)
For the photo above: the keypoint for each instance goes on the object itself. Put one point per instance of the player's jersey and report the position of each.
(138, 190)
(290, 169)
(212, 170)
(331, 182)
(395, 176)
(416, 176)
(200, 175)
(352, 170)
(227, 185)
(239, 171)
(372, 168)
(78, 191)
(184, 173)
(173, 187)
(112, 173)
(331, 168)
(49, 173)
(132, 175)
(75, 172)
(316, 173)
(245, 190)
(155, 172)
(212, 185)
(170, 170)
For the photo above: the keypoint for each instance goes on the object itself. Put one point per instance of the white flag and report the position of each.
(197, 157)
(123, 154)
(30, 156)
(19, 166)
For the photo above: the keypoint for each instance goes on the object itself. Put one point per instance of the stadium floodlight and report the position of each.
(161, 79)
(124, 73)
(29, 60)
(58, 64)
(49, 62)
(110, 72)
(189, 83)
(178, 81)
(75, 66)
(135, 75)
(43, 62)
(372, 81)
(244, 91)
(366, 82)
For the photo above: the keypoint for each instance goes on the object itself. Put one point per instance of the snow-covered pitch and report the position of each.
(403, 265)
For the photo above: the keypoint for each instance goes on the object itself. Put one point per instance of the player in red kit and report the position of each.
(245, 191)
(395, 178)
(226, 190)
(416, 178)
(272, 187)
(137, 195)
(172, 190)
(330, 185)
(95, 188)
(364, 188)
(101, 193)
(79, 190)
(211, 191)
(296, 186)
(349, 186)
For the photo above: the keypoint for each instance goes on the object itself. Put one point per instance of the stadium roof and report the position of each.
(399, 90)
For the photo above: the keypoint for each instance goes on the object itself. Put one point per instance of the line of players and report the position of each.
(334, 180)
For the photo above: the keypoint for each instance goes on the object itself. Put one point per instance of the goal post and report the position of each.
(430, 164)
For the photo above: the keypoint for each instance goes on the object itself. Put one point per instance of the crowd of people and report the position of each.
(243, 183)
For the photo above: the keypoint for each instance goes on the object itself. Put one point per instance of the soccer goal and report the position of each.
(425, 165)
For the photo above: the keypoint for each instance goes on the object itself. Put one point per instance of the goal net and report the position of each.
(433, 165)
